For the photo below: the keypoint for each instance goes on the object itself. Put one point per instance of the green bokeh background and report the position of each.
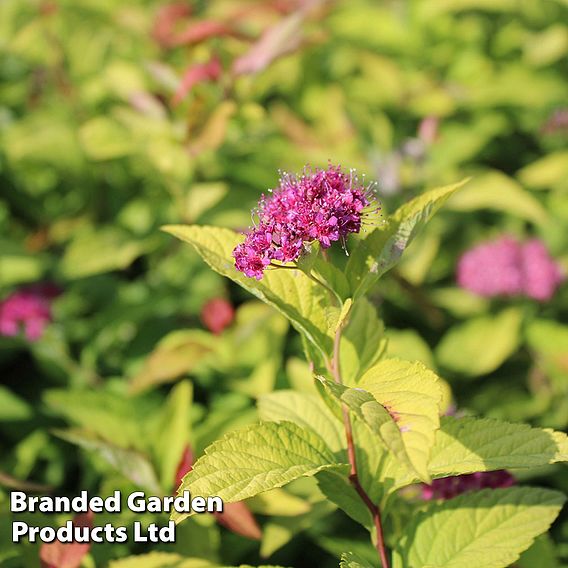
(95, 156)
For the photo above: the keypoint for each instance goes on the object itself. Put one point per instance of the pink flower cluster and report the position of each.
(321, 205)
(449, 487)
(507, 267)
(28, 308)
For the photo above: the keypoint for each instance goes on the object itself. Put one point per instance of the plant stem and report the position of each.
(353, 476)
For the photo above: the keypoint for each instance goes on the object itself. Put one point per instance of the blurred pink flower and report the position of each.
(556, 123)
(449, 487)
(28, 308)
(217, 314)
(507, 267)
(428, 129)
(541, 275)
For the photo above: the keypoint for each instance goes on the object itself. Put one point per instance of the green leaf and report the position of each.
(202, 197)
(338, 489)
(300, 375)
(307, 411)
(291, 292)
(546, 172)
(459, 302)
(494, 190)
(176, 355)
(417, 262)
(255, 459)
(134, 465)
(103, 138)
(352, 560)
(12, 407)
(278, 502)
(17, 265)
(383, 247)
(364, 406)
(467, 445)
(108, 416)
(542, 554)
(278, 531)
(549, 339)
(371, 457)
(411, 394)
(172, 428)
(485, 529)
(161, 560)
(96, 251)
(480, 345)
(337, 545)
(362, 341)
(408, 344)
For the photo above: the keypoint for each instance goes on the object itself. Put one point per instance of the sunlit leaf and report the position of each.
(291, 292)
(255, 459)
(488, 529)
(383, 247)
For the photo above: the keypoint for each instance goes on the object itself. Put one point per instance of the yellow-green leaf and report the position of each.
(411, 394)
(291, 292)
(485, 529)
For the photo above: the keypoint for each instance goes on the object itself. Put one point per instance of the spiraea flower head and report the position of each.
(508, 267)
(320, 205)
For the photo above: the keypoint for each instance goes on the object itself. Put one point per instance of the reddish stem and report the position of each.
(353, 476)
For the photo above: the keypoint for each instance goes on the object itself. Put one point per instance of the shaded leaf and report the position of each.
(173, 430)
(132, 464)
(352, 560)
(58, 554)
(362, 341)
(176, 355)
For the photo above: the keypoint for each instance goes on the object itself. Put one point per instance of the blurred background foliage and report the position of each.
(117, 117)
